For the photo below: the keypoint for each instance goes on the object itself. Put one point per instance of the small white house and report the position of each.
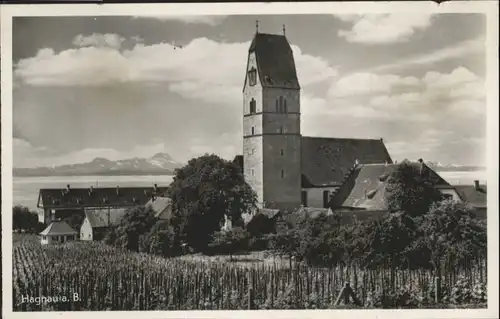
(58, 231)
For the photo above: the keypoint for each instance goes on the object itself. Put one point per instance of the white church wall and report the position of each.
(315, 195)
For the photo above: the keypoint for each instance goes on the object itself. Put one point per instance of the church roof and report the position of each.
(365, 186)
(326, 161)
(275, 62)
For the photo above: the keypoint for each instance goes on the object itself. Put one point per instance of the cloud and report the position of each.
(203, 69)
(99, 40)
(211, 20)
(383, 28)
(460, 50)
(366, 83)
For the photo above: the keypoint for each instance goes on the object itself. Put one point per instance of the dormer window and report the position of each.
(252, 77)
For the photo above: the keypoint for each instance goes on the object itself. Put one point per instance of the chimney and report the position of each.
(67, 187)
(117, 190)
(476, 185)
(386, 163)
(156, 187)
(366, 193)
(356, 162)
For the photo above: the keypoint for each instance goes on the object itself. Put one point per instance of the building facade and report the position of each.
(286, 169)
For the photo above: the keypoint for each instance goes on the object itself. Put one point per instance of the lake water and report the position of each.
(25, 189)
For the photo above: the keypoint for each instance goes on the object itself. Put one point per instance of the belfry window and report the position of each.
(252, 77)
(281, 106)
(253, 130)
(252, 106)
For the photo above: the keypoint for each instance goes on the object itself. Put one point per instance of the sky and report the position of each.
(123, 87)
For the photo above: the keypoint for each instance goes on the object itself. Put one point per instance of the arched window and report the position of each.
(252, 106)
(284, 105)
(277, 106)
(281, 129)
(282, 173)
(252, 76)
(253, 130)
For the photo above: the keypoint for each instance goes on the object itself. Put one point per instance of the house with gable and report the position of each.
(363, 194)
(57, 232)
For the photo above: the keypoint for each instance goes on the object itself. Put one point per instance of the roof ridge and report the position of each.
(341, 138)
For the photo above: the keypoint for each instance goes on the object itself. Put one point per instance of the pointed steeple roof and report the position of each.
(275, 62)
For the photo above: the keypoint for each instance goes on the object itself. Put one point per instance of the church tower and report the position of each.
(271, 123)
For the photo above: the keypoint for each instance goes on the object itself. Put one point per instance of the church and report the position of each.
(286, 169)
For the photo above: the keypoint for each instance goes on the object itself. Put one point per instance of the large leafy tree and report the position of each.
(203, 192)
(411, 189)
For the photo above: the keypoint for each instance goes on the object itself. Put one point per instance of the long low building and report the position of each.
(66, 203)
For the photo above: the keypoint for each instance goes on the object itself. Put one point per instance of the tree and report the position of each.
(287, 239)
(203, 192)
(390, 240)
(451, 234)
(160, 240)
(24, 219)
(230, 241)
(135, 223)
(411, 189)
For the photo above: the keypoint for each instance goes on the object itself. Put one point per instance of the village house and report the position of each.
(363, 193)
(97, 222)
(69, 202)
(475, 197)
(58, 232)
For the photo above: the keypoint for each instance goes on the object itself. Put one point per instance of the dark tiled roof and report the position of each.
(99, 218)
(98, 197)
(365, 187)
(162, 207)
(326, 161)
(471, 195)
(312, 212)
(57, 228)
(268, 212)
(276, 66)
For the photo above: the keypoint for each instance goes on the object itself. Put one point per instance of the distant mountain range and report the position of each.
(437, 166)
(159, 164)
